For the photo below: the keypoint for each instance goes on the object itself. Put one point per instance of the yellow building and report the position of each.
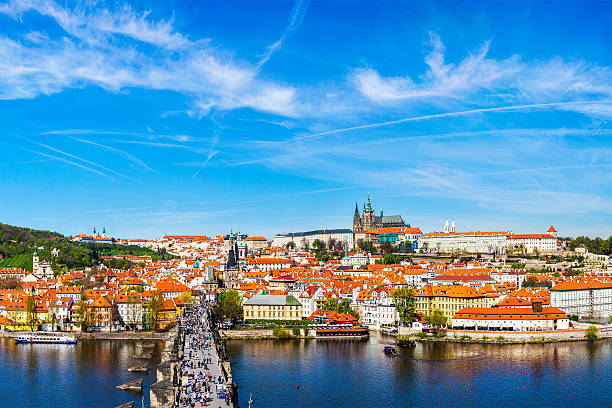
(16, 313)
(272, 307)
(450, 299)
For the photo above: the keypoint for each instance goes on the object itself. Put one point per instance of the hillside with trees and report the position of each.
(17, 245)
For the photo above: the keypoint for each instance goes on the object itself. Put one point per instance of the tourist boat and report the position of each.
(390, 351)
(340, 330)
(44, 337)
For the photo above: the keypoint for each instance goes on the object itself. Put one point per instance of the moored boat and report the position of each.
(46, 337)
(390, 351)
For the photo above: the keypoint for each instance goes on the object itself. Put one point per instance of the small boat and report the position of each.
(390, 351)
(406, 343)
(139, 369)
(133, 386)
(45, 337)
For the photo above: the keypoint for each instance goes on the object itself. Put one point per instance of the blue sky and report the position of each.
(198, 117)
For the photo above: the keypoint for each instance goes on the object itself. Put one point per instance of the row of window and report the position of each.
(260, 314)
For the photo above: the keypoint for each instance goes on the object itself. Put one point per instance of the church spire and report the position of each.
(369, 206)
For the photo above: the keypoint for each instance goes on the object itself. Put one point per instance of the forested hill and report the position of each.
(10, 233)
(17, 245)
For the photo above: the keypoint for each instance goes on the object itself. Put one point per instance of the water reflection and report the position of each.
(81, 375)
(348, 374)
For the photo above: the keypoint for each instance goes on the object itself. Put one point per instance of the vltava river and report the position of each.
(60, 375)
(334, 373)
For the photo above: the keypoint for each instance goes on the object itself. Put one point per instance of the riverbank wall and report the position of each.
(269, 334)
(100, 335)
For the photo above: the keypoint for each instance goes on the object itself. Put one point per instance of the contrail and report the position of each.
(449, 114)
(80, 159)
(297, 16)
(120, 152)
(61, 159)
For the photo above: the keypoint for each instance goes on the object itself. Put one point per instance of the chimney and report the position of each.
(536, 307)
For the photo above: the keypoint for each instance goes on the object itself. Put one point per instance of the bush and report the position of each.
(306, 329)
(422, 335)
(500, 338)
(295, 331)
(280, 333)
(464, 337)
(591, 333)
(485, 338)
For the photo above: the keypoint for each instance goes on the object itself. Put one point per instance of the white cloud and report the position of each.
(103, 47)
(479, 78)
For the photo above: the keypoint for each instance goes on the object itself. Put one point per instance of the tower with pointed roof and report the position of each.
(356, 219)
(368, 216)
(369, 220)
(35, 260)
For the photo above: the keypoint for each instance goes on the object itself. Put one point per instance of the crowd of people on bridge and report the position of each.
(201, 383)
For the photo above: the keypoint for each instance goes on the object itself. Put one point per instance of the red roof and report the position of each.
(551, 229)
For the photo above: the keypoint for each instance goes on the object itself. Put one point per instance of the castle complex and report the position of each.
(368, 220)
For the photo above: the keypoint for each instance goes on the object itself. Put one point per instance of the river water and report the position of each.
(81, 375)
(336, 373)
(331, 373)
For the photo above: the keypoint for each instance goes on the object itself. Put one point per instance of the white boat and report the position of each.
(45, 337)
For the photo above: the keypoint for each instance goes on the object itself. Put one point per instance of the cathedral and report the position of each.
(368, 220)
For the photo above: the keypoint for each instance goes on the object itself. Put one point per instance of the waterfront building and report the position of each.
(272, 307)
(100, 313)
(307, 299)
(60, 314)
(379, 315)
(129, 310)
(450, 299)
(535, 318)
(583, 297)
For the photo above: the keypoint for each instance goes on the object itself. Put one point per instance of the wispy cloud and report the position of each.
(295, 20)
(120, 152)
(103, 47)
(481, 79)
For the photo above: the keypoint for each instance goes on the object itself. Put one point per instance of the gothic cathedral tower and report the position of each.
(368, 216)
(356, 219)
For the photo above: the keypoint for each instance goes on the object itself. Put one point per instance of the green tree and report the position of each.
(155, 305)
(291, 245)
(80, 315)
(31, 317)
(343, 306)
(231, 304)
(404, 300)
(186, 297)
(437, 320)
(318, 246)
(591, 333)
